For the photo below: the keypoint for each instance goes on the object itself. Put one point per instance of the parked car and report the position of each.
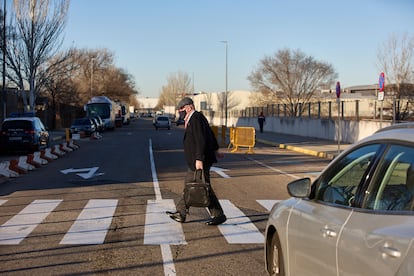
(162, 122)
(85, 125)
(179, 121)
(24, 132)
(356, 218)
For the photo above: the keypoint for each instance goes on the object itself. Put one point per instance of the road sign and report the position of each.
(338, 89)
(381, 96)
(381, 82)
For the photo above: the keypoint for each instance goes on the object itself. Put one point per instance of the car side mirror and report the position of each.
(300, 188)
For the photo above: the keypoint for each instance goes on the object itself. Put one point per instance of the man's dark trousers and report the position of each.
(214, 207)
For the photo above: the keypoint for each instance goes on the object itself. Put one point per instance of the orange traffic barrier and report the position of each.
(232, 132)
(215, 130)
(223, 135)
(244, 137)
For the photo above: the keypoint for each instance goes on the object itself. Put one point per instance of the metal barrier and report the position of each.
(222, 140)
(215, 130)
(232, 131)
(242, 137)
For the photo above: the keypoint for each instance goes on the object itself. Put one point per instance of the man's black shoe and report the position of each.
(176, 216)
(217, 220)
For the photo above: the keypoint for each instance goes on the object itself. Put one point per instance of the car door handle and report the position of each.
(387, 250)
(326, 232)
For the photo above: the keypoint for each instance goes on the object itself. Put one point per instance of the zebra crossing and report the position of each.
(92, 224)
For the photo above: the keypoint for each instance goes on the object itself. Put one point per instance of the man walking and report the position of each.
(261, 120)
(200, 149)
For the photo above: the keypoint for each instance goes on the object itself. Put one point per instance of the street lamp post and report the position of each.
(92, 62)
(3, 90)
(225, 93)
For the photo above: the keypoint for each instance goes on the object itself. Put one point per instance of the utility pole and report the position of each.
(226, 92)
(3, 92)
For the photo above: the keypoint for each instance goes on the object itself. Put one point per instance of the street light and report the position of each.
(92, 63)
(225, 93)
(3, 90)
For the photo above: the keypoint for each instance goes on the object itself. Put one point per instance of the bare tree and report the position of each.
(57, 82)
(178, 85)
(38, 28)
(396, 60)
(93, 73)
(291, 78)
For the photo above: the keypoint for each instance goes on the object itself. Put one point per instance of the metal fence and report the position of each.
(360, 109)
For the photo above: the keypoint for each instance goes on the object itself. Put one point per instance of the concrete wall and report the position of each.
(351, 131)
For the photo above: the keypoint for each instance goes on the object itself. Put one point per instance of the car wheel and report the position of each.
(275, 258)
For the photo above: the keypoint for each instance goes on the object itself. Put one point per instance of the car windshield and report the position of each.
(82, 122)
(162, 119)
(17, 125)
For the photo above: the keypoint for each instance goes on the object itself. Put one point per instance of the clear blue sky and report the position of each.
(152, 39)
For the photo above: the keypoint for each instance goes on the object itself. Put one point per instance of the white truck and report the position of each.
(104, 107)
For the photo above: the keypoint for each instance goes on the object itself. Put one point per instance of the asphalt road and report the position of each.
(101, 209)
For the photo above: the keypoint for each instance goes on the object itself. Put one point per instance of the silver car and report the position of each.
(356, 218)
(162, 122)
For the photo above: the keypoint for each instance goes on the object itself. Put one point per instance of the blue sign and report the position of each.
(338, 89)
(381, 83)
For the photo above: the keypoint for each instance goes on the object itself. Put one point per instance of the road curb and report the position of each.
(316, 153)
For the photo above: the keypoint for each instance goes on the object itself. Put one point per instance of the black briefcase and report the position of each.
(197, 192)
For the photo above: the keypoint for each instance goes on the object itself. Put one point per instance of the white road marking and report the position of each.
(168, 262)
(159, 228)
(22, 224)
(268, 204)
(273, 169)
(169, 268)
(157, 190)
(313, 173)
(220, 171)
(92, 223)
(2, 201)
(89, 172)
(238, 228)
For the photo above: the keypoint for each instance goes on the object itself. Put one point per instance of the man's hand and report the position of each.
(199, 165)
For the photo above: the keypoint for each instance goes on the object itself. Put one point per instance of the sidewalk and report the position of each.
(307, 145)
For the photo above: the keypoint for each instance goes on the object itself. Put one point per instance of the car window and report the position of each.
(17, 125)
(339, 184)
(393, 185)
(41, 125)
(82, 121)
(38, 125)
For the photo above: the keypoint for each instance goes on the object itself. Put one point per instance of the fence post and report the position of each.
(330, 109)
(319, 109)
(357, 110)
(309, 110)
